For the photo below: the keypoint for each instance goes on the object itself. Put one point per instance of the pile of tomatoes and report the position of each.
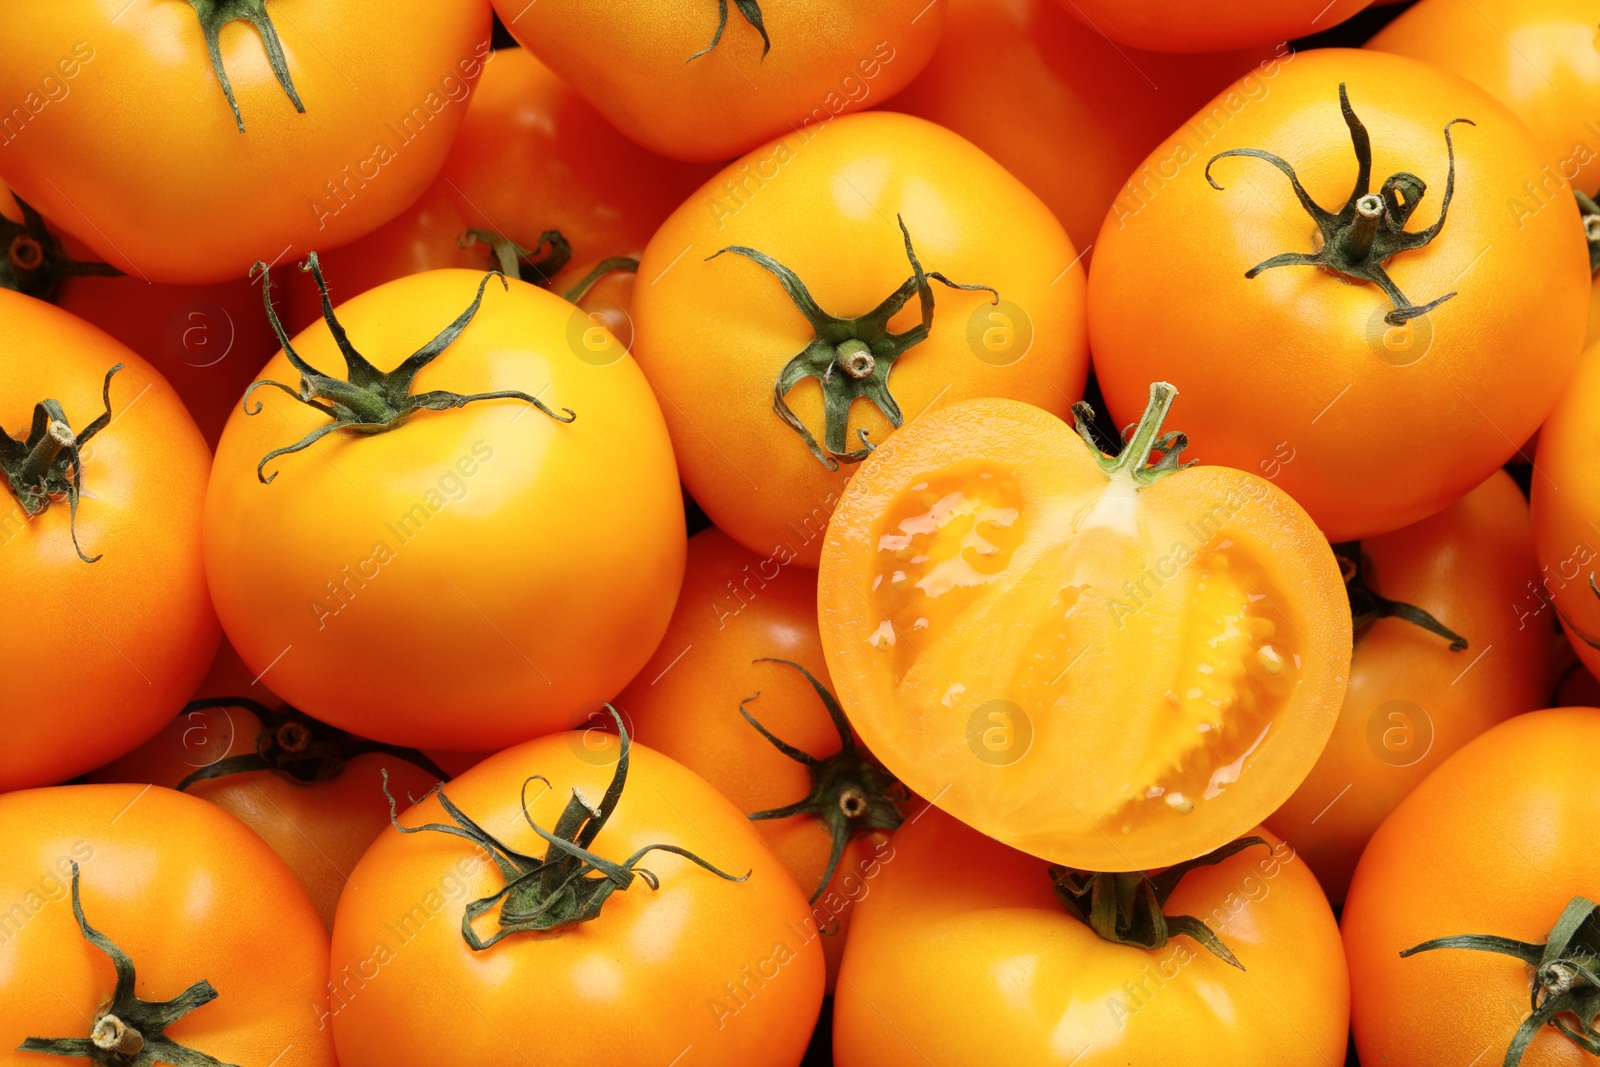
(768, 532)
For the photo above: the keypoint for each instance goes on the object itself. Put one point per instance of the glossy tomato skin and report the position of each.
(319, 829)
(1113, 678)
(147, 164)
(712, 336)
(1564, 511)
(1294, 373)
(1493, 842)
(737, 607)
(961, 953)
(206, 340)
(1412, 701)
(188, 893)
(104, 652)
(531, 155)
(390, 582)
(828, 58)
(1094, 109)
(711, 971)
(1181, 26)
(1538, 57)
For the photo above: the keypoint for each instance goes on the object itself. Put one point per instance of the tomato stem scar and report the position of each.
(35, 263)
(370, 401)
(851, 793)
(862, 350)
(48, 464)
(1371, 227)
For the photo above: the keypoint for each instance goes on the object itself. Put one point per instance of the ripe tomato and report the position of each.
(717, 335)
(1538, 57)
(100, 560)
(1113, 666)
(176, 163)
(206, 340)
(531, 157)
(1414, 696)
(746, 625)
(1494, 842)
(195, 906)
(1184, 26)
(314, 793)
(1093, 109)
(966, 952)
(691, 82)
(387, 577)
(680, 939)
(1566, 504)
(1297, 372)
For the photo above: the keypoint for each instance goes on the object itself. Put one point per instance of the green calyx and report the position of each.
(1590, 212)
(368, 401)
(48, 464)
(529, 265)
(850, 358)
(1140, 443)
(1367, 606)
(128, 1032)
(1126, 908)
(34, 262)
(296, 746)
(751, 12)
(1565, 988)
(215, 14)
(570, 884)
(1371, 227)
(851, 793)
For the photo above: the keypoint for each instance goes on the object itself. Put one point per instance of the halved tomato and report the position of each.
(1109, 664)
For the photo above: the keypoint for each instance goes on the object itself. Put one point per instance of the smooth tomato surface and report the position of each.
(963, 954)
(147, 164)
(103, 653)
(1566, 504)
(320, 829)
(713, 335)
(1413, 701)
(703, 969)
(638, 64)
(188, 893)
(1183, 26)
(736, 608)
(1541, 58)
(474, 576)
(1296, 370)
(1493, 842)
(1094, 109)
(1110, 676)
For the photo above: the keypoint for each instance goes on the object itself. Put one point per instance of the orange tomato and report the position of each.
(1494, 842)
(313, 793)
(457, 579)
(737, 614)
(963, 952)
(1110, 665)
(706, 81)
(1184, 26)
(1296, 372)
(647, 957)
(113, 623)
(532, 156)
(1414, 698)
(1540, 58)
(174, 169)
(206, 340)
(1566, 504)
(193, 904)
(765, 450)
(1094, 109)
